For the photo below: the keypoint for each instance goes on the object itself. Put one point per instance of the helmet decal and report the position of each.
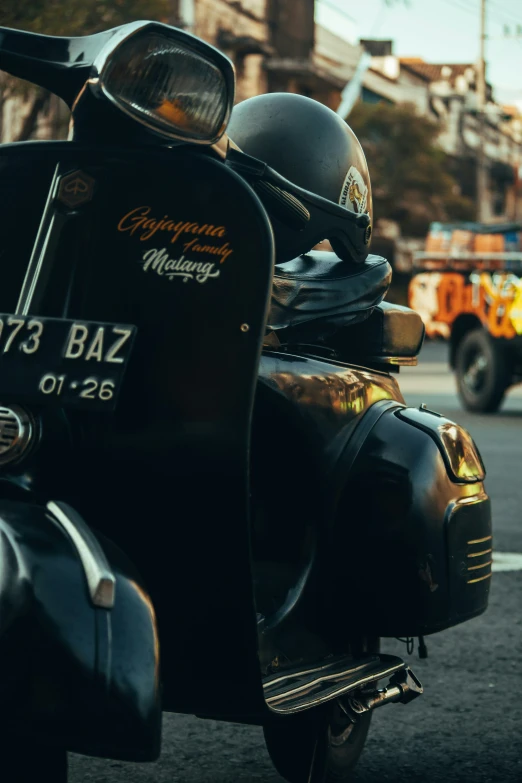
(354, 193)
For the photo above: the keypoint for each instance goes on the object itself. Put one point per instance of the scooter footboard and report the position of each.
(78, 638)
(412, 546)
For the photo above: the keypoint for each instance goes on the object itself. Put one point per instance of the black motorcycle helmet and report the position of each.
(312, 147)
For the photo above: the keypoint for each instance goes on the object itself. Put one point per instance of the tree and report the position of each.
(71, 18)
(411, 183)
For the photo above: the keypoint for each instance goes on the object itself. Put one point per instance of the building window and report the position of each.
(368, 96)
(499, 201)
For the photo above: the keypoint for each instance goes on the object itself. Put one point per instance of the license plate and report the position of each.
(63, 362)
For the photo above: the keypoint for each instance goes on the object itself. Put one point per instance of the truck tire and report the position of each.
(483, 371)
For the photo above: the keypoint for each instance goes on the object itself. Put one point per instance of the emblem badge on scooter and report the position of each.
(76, 188)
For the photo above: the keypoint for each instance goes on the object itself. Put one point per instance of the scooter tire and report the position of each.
(292, 741)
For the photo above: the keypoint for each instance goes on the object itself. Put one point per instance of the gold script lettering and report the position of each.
(140, 220)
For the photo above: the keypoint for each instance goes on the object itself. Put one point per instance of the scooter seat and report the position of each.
(320, 288)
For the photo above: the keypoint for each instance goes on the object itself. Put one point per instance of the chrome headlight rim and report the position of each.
(192, 44)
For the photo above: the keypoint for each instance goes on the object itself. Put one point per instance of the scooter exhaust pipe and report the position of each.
(403, 687)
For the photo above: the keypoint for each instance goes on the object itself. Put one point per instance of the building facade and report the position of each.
(275, 45)
(272, 44)
(453, 104)
(239, 28)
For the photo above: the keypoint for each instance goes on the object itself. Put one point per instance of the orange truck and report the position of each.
(467, 287)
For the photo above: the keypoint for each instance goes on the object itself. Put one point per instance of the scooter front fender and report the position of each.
(79, 653)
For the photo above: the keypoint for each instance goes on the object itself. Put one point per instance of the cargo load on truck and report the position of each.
(472, 245)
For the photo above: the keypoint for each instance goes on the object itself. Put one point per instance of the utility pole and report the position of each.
(482, 179)
(352, 90)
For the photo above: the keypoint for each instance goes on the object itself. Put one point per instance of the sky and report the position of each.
(438, 31)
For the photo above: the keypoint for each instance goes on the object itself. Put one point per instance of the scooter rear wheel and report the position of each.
(319, 746)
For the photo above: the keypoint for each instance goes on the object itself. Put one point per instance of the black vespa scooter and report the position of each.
(282, 506)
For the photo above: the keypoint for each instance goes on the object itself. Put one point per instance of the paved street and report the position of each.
(468, 725)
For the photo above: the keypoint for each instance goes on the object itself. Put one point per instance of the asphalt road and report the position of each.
(468, 725)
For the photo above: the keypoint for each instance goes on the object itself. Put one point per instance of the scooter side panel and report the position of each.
(411, 552)
(305, 413)
(75, 675)
(328, 396)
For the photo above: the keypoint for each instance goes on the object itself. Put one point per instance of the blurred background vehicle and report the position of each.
(467, 287)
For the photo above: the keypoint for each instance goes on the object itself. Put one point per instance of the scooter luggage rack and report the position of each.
(301, 688)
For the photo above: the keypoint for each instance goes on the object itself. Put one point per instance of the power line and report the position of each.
(458, 5)
(507, 14)
(499, 18)
(336, 8)
(464, 5)
(470, 6)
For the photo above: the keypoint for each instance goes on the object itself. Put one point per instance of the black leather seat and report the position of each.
(318, 299)
(316, 294)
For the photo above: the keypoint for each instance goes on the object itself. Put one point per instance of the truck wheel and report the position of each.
(483, 371)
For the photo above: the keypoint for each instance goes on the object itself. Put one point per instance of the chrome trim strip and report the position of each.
(398, 361)
(275, 679)
(33, 272)
(480, 540)
(101, 581)
(480, 579)
(277, 702)
(467, 501)
(484, 565)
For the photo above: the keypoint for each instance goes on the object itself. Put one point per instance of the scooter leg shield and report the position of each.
(79, 662)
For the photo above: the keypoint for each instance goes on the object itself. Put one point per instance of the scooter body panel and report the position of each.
(179, 246)
(411, 552)
(80, 676)
(328, 396)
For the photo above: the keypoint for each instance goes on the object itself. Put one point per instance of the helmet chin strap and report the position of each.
(301, 218)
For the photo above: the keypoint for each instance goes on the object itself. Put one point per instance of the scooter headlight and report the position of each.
(169, 81)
